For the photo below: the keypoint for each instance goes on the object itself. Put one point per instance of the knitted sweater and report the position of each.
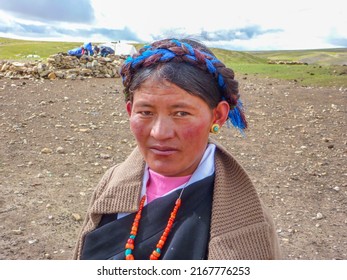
(241, 227)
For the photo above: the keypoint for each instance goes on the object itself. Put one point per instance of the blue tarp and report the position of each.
(86, 49)
(75, 52)
(89, 48)
(104, 51)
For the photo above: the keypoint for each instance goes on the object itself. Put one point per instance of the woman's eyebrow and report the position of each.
(181, 105)
(143, 103)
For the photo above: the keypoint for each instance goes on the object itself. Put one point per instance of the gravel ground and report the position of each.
(58, 137)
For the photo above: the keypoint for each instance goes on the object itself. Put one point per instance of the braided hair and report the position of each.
(189, 65)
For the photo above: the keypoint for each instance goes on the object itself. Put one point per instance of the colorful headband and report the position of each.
(175, 50)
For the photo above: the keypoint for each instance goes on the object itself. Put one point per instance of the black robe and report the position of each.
(188, 239)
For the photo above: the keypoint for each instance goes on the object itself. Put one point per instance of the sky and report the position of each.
(235, 25)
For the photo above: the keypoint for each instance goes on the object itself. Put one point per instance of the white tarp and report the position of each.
(124, 49)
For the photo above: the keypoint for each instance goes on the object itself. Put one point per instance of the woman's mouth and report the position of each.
(162, 150)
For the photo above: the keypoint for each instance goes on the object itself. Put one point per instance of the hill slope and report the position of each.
(324, 69)
(320, 57)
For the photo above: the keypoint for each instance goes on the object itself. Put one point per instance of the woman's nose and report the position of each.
(163, 128)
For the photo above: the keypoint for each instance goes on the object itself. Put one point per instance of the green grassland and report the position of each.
(325, 67)
(324, 72)
(12, 49)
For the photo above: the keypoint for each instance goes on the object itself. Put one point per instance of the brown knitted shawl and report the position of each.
(241, 227)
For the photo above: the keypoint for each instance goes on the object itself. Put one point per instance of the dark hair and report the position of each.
(185, 76)
(191, 66)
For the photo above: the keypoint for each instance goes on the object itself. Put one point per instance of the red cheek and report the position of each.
(138, 128)
(193, 131)
(135, 127)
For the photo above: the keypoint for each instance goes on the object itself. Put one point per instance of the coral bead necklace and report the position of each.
(130, 245)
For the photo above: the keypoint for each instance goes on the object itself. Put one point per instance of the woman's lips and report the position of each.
(162, 150)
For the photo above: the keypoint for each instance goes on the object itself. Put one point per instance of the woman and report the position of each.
(178, 195)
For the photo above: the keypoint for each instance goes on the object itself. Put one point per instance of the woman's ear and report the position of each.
(129, 106)
(220, 113)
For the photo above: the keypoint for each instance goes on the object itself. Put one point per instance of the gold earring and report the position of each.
(215, 128)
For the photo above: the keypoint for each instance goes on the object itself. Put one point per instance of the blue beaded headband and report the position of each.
(191, 56)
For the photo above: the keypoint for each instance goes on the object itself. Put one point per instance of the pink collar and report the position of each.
(159, 185)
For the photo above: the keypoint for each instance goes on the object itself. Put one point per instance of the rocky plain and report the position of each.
(58, 136)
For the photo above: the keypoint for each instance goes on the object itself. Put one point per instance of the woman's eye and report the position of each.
(182, 114)
(145, 113)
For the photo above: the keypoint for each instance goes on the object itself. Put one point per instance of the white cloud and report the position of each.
(266, 24)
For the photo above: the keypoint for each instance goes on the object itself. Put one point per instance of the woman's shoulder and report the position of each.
(224, 159)
(132, 167)
(119, 181)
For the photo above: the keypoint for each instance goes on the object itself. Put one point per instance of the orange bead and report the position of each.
(156, 254)
(153, 258)
(163, 238)
(129, 246)
(129, 257)
(161, 242)
(134, 229)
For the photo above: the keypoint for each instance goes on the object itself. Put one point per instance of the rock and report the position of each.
(86, 72)
(52, 76)
(45, 74)
(41, 67)
(5, 67)
(17, 231)
(95, 64)
(46, 151)
(71, 77)
(319, 216)
(105, 156)
(63, 66)
(76, 217)
(60, 150)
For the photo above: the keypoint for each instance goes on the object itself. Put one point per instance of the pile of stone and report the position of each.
(286, 62)
(63, 66)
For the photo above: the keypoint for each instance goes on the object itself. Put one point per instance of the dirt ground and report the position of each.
(58, 137)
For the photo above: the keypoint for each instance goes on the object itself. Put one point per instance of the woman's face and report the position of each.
(171, 127)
